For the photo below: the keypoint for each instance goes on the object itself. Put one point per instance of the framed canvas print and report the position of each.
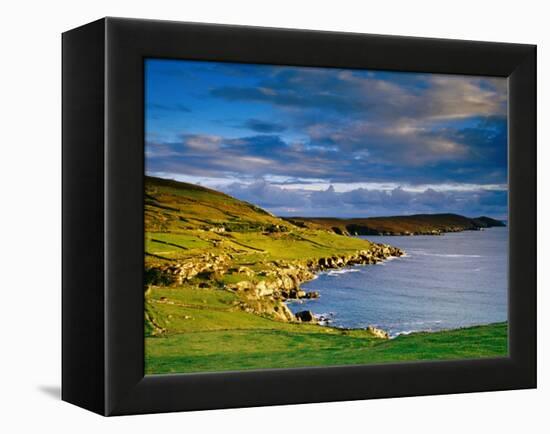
(258, 216)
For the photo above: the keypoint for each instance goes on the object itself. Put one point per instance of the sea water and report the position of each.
(444, 282)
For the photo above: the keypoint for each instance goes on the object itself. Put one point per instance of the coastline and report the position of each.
(321, 344)
(357, 298)
(266, 290)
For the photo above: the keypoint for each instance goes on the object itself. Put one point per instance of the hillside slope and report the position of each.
(185, 221)
(176, 206)
(419, 224)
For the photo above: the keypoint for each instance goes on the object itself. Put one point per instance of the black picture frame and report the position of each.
(103, 245)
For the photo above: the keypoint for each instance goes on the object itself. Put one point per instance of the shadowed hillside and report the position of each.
(419, 224)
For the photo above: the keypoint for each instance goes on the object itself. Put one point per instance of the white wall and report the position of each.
(30, 214)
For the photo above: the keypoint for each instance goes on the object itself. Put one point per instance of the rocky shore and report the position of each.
(264, 287)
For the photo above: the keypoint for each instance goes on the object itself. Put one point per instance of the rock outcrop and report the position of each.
(266, 290)
(305, 316)
(176, 274)
(379, 333)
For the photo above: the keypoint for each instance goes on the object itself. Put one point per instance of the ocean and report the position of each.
(444, 282)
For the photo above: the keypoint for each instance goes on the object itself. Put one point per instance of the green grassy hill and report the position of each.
(185, 220)
(176, 206)
(218, 272)
(429, 224)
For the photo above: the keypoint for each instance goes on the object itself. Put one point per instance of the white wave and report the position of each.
(446, 255)
(344, 271)
(435, 321)
(413, 323)
(389, 258)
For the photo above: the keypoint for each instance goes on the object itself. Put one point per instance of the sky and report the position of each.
(328, 142)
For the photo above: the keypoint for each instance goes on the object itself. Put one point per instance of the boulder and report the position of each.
(243, 285)
(246, 271)
(292, 294)
(287, 282)
(305, 316)
(379, 333)
(263, 289)
(283, 313)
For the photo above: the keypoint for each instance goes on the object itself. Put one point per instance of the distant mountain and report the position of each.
(490, 222)
(419, 224)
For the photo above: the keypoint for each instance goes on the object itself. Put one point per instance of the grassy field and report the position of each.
(205, 332)
(206, 322)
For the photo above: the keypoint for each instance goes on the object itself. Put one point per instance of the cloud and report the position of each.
(387, 95)
(214, 156)
(395, 118)
(363, 202)
(360, 153)
(269, 195)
